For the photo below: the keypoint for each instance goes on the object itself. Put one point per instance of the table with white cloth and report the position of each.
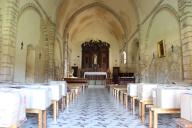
(96, 78)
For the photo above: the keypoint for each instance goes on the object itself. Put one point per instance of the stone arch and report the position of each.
(30, 6)
(60, 45)
(24, 37)
(95, 4)
(167, 7)
(161, 69)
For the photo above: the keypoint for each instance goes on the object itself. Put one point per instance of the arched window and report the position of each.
(124, 57)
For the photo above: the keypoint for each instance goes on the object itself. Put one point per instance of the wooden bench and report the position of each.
(183, 123)
(133, 99)
(42, 117)
(122, 95)
(125, 99)
(142, 106)
(154, 112)
(117, 90)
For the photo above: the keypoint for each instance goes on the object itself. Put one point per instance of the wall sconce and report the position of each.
(22, 45)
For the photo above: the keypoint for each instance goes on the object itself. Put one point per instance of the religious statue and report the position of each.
(94, 59)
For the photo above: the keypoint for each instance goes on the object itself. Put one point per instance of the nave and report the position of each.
(97, 108)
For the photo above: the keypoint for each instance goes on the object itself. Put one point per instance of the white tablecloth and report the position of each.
(95, 73)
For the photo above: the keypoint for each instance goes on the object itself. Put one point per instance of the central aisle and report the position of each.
(96, 109)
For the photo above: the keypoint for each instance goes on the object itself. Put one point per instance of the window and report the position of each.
(124, 57)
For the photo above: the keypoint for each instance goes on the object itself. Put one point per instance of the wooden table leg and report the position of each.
(126, 101)
(143, 112)
(67, 101)
(117, 95)
(44, 119)
(40, 119)
(62, 103)
(54, 110)
(155, 117)
(113, 92)
(150, 118)
(57, 108)
(140, 109)
(121, 98)
(133, 105)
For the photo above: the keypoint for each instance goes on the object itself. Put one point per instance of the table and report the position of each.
(95, 74)
(96, 77)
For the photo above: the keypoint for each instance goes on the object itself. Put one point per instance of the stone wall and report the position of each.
(9, 13)
(15, 34)
(185, 7)
(161, 24)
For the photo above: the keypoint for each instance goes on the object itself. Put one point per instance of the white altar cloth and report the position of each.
(95, 74)
(12, 108)
(56, 90)
(186, 106)
(144, 91)
(63, 86)
(132, 89)
(168, 97)
(37, 98)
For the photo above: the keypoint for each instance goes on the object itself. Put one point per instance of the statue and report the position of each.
(94, 59)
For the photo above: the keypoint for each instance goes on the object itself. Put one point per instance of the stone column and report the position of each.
(51, 38)
(48, 38)
(185, 8)
(66, 70)
(7, 44)
(142, 57)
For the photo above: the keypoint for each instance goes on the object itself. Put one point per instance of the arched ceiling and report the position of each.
(95, 22)
(120, 18)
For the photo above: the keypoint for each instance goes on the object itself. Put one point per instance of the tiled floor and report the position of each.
(96, 108)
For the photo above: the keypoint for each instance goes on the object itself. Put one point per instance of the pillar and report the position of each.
(48, 38)
(185, 8)
(9, 13)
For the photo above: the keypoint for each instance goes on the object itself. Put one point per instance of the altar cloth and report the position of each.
(95, 74)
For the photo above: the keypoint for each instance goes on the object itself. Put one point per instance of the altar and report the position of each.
(96, 78)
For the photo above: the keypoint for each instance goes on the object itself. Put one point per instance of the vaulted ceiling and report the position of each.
(97, 18)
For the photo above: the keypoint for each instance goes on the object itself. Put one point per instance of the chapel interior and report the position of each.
(96, 63)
